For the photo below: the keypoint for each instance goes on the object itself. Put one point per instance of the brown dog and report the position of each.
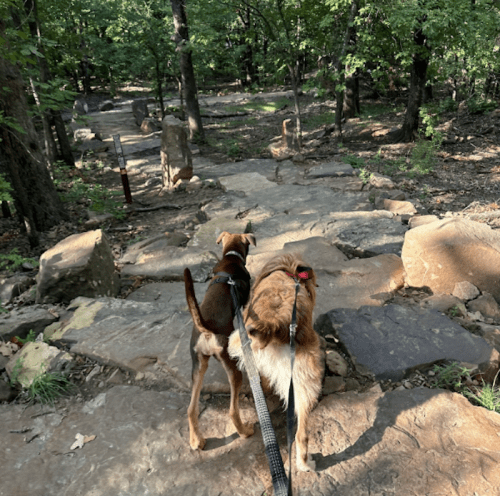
(267, 322)
(213, 323)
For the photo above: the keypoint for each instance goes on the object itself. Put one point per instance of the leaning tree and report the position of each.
(36, 200)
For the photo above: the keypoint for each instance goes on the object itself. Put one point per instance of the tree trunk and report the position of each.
(35, 196)
(418, 80)
(295, 88)
(50, 115)
(351, 97)
(349, 33)
(187, 71)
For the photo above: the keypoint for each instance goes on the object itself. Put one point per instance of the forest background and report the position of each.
(433, 53)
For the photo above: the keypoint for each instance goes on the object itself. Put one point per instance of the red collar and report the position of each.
(300, 275)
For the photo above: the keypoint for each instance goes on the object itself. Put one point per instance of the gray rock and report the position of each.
(141, 336)
(106, 105)
(80, 265)
(20, 321)
(465, 291)
(140, 110)
(392, 339)
(148, 247)
(379, 181)
(150, 125)
(331, 169)
(34, 360)
(352, 284)
(13, 286)
(369, 239)
(80, 107)
(82, 133)
(7, 393)
(443, 303)
(247, 182)
(168, 263)
(486, 305)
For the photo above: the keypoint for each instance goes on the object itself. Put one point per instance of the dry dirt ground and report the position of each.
(465, 174)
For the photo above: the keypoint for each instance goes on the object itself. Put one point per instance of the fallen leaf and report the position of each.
(81, 440)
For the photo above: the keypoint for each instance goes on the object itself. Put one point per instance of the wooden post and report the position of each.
(123, 168)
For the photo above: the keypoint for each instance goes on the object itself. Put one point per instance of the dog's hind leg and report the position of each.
(304, 460)
(196, 440)
(235, 377)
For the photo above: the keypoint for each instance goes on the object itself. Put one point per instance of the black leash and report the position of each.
(281, 484)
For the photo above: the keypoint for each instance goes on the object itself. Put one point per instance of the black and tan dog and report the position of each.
(213, 323)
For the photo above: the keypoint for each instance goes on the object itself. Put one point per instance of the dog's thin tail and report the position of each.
(193, 306)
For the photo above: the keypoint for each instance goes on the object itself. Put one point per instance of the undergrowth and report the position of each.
(458, 379)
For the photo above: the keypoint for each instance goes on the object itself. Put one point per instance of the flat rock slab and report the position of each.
(355, 283)
(391, 339)
(263, 167)
(20, 321)
(248, 182)
(147, 248)
(168, 263)
(148, 333)
(331, 169)
(411, 442)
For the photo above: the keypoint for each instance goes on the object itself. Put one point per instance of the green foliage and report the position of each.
(5, 189)
(458, 379)
(365, 175)
(323, 119)
(353, 161)
(99, 198)
(451, 376)
(30, 338)
(423, 157)
(46, 388)
(12, 261)
(448, 105)
(477, 105)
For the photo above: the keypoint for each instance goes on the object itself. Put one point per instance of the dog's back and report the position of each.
(267, 320)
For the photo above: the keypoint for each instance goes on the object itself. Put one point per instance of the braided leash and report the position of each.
(281, 485)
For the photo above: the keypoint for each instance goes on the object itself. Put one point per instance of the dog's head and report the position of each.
(236, 242)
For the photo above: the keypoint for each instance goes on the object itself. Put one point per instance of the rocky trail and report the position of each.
(399, 292)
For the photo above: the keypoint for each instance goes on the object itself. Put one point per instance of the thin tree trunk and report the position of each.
(50, 144)
(50, 115)
(187, 71)
(418, 80)
(341, 68)
(295, 89)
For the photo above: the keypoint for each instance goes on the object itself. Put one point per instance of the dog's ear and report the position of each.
(221, 237)
(251, 239)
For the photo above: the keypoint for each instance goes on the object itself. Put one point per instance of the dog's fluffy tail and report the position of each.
(193, 306)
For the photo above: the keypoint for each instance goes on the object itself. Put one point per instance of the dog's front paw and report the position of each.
(246, 430)
(306, 466)
(197, 442)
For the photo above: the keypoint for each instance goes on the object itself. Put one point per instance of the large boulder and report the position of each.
(441, 254)
(80, 265)
(392, 339)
